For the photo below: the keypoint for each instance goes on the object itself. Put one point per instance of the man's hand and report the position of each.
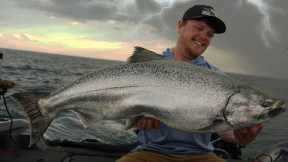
(243, 135)
(247, 135)
(148, 123)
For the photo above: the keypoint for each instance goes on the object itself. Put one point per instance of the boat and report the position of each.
(90, 150)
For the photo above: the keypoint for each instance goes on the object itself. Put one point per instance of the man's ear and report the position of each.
(178, 26)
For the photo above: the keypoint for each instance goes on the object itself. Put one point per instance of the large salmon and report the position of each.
(181, 95)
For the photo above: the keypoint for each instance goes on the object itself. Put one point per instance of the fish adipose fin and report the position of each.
(38, 122)
(142, 55)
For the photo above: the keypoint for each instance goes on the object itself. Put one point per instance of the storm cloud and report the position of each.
(256, 29)
(254, 18)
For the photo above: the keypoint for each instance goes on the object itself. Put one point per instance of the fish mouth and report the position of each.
(273, 107)
(276, 112)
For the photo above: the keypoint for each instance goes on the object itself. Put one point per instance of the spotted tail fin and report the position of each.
(38, 122)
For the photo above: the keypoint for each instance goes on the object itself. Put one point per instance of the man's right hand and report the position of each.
(148, 123)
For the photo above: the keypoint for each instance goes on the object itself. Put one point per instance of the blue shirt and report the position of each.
(168, 140)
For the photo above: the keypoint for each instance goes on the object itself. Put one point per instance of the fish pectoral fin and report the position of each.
(80, 118)
(142, 55)
(213, 125)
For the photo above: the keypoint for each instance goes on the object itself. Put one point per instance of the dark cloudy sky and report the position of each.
(255, 41)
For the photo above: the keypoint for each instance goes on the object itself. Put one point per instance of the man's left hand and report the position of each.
(247, 135)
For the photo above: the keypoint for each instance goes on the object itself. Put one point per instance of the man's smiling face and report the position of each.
(194, 36)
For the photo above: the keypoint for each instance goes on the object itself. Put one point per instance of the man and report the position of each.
(160, 143)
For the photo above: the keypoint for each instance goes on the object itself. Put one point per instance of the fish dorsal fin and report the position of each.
(141, 54)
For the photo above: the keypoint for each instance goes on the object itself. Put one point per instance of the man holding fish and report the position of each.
(159, 142)
(189, 96)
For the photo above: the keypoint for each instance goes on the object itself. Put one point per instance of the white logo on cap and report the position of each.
(207, 11)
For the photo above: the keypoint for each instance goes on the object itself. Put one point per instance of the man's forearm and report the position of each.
(243, 135)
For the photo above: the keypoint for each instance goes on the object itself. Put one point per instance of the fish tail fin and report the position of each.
(38, 122)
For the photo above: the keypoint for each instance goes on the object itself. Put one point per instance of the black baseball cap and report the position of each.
(206, 13)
